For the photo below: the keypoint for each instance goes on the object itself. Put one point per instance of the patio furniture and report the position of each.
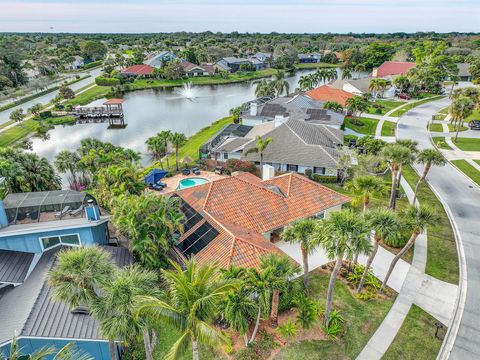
(63, 212)
(186, 172)
(218, 170)
(155, 187)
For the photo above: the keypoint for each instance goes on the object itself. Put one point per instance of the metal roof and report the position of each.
(14, 266)
(33, 199)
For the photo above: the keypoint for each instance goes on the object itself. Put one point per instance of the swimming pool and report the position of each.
(193, 181)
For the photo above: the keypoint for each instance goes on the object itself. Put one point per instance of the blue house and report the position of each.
(309, 58)
(33, 228)
(234, 64)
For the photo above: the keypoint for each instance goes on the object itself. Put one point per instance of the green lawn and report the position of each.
(388, 128)
(315, 65)
(6, 123)
(475, 116)
(436, 127)
(416, 338)
(95, 93)
(442, 260)
(60, 120)
(386, 106)
(451, 129)
(442, 114)
(16, 133)
(410, 106)
(468, 170)
(363, 125)
(362, 319)
(468, 144)
(440, 143)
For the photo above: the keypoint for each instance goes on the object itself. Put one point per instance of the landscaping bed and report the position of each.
(416, 338)
(440, 143)
(468, 170)
(381, 107)
(442, 258)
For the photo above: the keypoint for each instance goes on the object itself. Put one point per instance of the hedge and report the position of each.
(324, 178)
(104, 81)
(93, 64)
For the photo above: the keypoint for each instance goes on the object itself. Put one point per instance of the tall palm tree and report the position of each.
(280, 84)
(356, 106)
(374, 86)
(67, 161)
(264, 87)
(366, 186)
(239, 308)
(346, 73)
(305, 82)
(384, 223)
(395, 155)
(76, 276)
(412, 145)
(39, 175)
(427, 157)
(260, 147)
(114, 308)
(177, 140)
(461, 108)
(301, 232)
(156, 148)
(283, 269)
(192, 300)
(344, 233)
(416, 220)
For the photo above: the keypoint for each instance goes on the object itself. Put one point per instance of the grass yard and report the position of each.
(18, 132)
(475, 116)
(95, 93)
(60, 120)
(409, 106)
(451, 129)
(442, 114)
(468, 144)
(386, 106)
(363, 125)
(468, 170)
(388, 128)
(6, 123)
(442, 260)
(315, 65)
(436, 127)
(416, 338)
(440, 143)
(362, 318)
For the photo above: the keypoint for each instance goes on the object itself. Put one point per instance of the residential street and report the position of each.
(462, 199)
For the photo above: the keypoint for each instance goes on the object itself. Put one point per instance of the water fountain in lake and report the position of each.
(186, 91)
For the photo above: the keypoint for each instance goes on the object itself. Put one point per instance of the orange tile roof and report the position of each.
(394, 68)
(327, 93)
(243, 207)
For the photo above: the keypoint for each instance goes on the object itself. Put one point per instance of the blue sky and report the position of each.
(240, 15)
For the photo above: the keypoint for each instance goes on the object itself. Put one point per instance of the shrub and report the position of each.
(335, 325)
(288, 330)
(308, 173)
(290, 294)
(260, 349)
(104, 81)
(241, 165)
(45, 114)
(324, 178)
(397, 240)
(308, 311)
(92, 64)
(371, 282)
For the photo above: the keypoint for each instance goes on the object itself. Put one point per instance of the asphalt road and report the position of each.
(462, 200)
(45, 99)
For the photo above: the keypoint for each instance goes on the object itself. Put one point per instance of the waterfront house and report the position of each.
(159, 60)
(353, 86)
(33, 228)
(234, 64)
(309, 58)
(389, 69)
(235, 220)
(329, 93)
(192, 70)
(139, 70)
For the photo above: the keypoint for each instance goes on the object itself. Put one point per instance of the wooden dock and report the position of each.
(111, 111)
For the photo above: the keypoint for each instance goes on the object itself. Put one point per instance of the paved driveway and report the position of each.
(462, 199)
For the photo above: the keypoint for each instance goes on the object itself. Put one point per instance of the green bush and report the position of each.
(104, 81)
(259, 349)
(308, 173)
(241, 165)
(335, 325)
(288, 330)
(92, 64)
(324, 178)
(45, 114)
(289, 295)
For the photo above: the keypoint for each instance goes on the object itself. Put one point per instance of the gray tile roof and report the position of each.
(14, 266)
(29, 310)
(299, 143)
(361, 84)
(232, 144)
(464, 69)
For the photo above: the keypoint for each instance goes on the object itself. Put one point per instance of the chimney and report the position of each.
(92, 211)
(253, 109)
(268, 172)
(279, 120)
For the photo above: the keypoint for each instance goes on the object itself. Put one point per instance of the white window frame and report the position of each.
(60, 243)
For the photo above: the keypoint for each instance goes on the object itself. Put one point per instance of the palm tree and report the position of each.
(305, 82)
(395, 155)
(366, 186)
(156, 148)
(39, 174)
(280, 84)
(261, 145)
(192, 300)
(68, 161)
(283, 269)
(374, 86)
(356, 106)
(428, 157)
(344, 233)
(114, 308)
(416, 220)
(384, 223)
(177, 140)
(301, 232)
(461, 108)
(239, 308)
(412, 145)
(346, 73)
(264, 88)
(76, 276)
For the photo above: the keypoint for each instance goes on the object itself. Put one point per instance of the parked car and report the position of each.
(474, 125)
(404, 96)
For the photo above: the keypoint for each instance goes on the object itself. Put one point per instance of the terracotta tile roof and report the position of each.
(243, 207)
(327, 93)
(114, 102)
(140, 69)
(394, 68)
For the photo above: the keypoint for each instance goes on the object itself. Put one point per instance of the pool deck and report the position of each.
(172, 182)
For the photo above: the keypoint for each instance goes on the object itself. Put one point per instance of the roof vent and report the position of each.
(81, 310)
